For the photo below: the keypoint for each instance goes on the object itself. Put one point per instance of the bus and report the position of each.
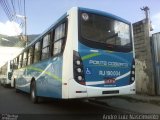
(85, 53)
(6, 74)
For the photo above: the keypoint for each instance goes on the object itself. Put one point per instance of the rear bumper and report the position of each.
(5, 82)
(8, 82)
(99, 92)
(81, 91)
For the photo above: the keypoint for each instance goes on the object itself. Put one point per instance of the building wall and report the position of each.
(144, 64)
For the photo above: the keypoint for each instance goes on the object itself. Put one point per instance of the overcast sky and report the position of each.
(42, 13)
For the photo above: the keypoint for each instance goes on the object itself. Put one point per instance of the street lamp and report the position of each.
(25, 25)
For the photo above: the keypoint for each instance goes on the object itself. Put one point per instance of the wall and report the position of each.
(144, 65)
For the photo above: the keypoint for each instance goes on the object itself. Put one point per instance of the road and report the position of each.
(13, 103)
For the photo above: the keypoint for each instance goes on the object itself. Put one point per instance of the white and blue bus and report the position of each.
(86, 53)
(6, 74)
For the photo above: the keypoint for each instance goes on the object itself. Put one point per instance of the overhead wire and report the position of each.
(13, 7)
(19, 7)
(9, 9)
(6, 9)
(14, 10)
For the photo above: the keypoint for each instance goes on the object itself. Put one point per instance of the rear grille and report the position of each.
(110, 92)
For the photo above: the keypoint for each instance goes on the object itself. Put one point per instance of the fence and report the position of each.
(155, 42)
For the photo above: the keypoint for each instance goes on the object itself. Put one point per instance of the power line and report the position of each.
(12, 8)
(19, 6)
(9, 9)
(6, 9)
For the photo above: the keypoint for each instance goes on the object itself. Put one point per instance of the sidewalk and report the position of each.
(135, 103)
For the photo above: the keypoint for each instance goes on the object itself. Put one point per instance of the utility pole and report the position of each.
(25, 23)
(24, 37)
(25, 31)
(146, 10)
(149, 70)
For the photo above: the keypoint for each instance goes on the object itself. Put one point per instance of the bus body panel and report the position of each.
(104, 68)
(80, 91)
(112, 91)
(101, 68)
(71, 44)
(48, 77)
(76, 90)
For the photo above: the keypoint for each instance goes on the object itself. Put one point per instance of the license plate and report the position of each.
(110, 81)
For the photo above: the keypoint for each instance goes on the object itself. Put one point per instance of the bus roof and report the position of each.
(104, 14)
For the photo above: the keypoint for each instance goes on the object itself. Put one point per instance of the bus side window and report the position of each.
(25, 58)
(11, 64)
(30, 55)
(37, 52)
(20, 61)
(60, 34)
(52, 42)
(45, 47)
(14, 63)
(17, 62)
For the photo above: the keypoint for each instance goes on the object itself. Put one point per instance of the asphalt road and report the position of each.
(12, 104)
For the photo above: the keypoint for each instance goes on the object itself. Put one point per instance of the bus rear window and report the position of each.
(104, 30)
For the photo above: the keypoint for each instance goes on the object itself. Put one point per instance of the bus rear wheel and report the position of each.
(14, 85)
(34, 97)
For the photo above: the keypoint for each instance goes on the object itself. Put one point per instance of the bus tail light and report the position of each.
(132, 78)
(78, 68)
(9, 75)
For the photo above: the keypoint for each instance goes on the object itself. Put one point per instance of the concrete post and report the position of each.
(144, 63)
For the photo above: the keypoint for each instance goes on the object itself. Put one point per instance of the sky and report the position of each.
(42, 13)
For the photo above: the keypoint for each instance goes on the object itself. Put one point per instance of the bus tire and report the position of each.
(14, 85)
(33, 92)
(17, 90)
